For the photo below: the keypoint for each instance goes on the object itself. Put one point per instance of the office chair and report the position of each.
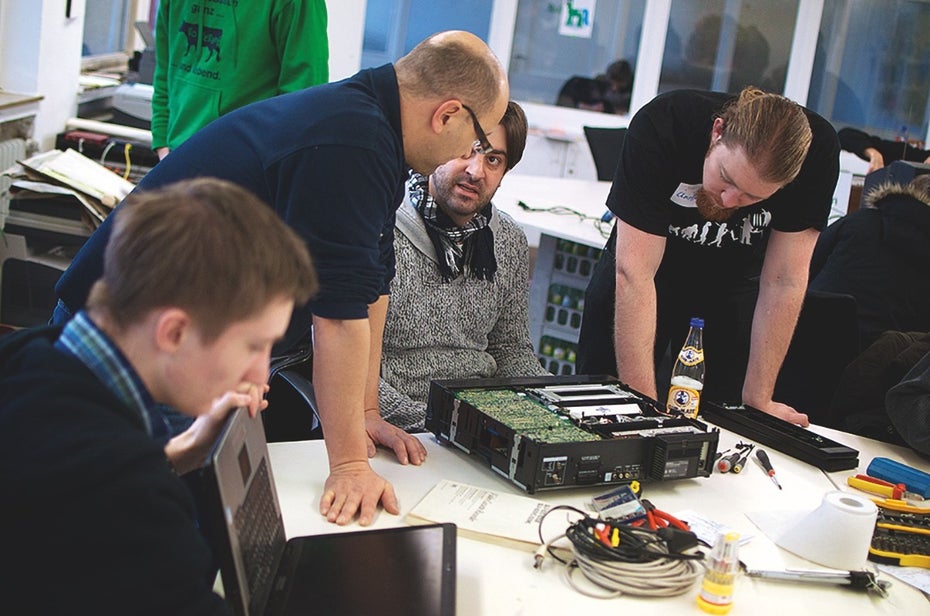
(825, 341)
(605, 144)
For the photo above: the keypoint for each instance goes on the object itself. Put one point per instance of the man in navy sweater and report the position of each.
(331, 161)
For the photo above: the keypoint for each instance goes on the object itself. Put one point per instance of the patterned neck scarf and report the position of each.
(460, 250)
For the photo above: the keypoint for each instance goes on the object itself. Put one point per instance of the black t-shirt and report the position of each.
(661, 167)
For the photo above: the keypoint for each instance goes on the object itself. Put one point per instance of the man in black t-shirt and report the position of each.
(719, 202)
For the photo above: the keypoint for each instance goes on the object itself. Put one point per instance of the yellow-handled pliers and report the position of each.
(882, 488)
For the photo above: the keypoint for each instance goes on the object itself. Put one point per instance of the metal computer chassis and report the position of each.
(545, 433)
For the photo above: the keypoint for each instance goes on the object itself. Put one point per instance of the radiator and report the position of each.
(11, 150)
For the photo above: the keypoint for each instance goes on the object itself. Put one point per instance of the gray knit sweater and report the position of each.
(461, 329)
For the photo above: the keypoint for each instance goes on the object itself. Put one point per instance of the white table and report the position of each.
(586, 196)
(494, 580)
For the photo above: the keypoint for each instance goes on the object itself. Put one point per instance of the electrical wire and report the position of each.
(106, 150)
(636, 561)
(602, 226)
(126, 149)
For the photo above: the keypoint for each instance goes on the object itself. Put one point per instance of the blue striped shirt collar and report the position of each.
(92, 347)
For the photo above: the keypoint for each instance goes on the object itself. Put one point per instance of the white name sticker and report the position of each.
(686, 195)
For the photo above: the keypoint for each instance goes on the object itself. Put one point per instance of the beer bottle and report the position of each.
(684, 392)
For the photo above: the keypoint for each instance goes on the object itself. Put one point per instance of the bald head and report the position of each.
(454, 64)
(453, 90)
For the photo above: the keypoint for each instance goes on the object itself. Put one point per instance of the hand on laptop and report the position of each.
(407, 447)
(188, 450)
(353, 488)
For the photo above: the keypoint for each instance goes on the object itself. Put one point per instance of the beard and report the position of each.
(709, 210)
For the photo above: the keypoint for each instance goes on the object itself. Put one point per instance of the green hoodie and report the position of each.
(213, 56)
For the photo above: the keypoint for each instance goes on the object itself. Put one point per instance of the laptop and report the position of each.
(393, 571)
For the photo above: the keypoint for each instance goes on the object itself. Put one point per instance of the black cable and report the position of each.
(602, 226)
(624, 559)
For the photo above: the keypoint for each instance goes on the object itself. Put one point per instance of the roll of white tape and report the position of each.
(836, 534)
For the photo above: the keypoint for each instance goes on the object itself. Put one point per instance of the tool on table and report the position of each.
(902, 535)
(864, 580)
(725, 464)
(742, 461)
(657, 519)
(763, 459)
(873, 485)
(913, 479)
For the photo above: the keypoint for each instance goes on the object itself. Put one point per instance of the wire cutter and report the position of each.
(657, 519)
(895, 491)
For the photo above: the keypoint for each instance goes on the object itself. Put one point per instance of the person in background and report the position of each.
(458, 304)
(583, 93)
(213, 57)
(619, 82)
(879, 255)
(879, 152)
(719, 201)
(331, 160)
(176, 320)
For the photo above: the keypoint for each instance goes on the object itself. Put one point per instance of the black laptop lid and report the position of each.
(406, 570)
(388, 572)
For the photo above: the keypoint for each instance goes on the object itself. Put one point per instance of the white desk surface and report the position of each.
(494, 580)
(586, 196)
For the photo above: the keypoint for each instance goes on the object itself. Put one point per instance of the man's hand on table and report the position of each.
(406, 447)
(353, 488)
(782, 411)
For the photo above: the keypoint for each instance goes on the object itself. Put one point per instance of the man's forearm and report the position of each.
(773, 323)
(634, 334)
(340, 368)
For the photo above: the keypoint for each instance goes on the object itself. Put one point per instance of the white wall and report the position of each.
(40, 53)
(346, 28)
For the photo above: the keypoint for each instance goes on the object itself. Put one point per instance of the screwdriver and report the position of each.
(763, 459)
(726, 463)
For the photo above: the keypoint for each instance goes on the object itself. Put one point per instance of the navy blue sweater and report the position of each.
(92, 519)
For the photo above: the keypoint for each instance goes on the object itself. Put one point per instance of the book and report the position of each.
(505, 519)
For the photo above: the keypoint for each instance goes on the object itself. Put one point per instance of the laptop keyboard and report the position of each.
(259, 530)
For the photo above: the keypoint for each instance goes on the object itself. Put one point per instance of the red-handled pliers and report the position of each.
(658, 519)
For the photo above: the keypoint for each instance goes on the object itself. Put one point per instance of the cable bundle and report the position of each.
(625, 560)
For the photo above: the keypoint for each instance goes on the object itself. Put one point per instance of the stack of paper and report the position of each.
(42, 183)
(483, 514)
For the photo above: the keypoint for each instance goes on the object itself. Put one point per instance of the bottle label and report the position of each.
(684, 400)
(690, 356)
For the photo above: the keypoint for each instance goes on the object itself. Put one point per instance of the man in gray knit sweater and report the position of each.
(458, 306)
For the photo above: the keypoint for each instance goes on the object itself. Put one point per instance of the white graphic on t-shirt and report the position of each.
(740, 230)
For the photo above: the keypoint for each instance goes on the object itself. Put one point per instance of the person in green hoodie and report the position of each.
(213, 56)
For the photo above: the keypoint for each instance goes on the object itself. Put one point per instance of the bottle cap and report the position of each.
(697, 322)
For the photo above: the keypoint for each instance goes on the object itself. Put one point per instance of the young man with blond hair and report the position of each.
(200, 279)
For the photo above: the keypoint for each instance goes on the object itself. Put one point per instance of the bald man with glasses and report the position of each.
(331, 161)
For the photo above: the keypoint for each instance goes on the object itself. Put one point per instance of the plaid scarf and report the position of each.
(466, 249)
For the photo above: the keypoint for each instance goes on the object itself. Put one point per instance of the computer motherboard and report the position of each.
(554, 432)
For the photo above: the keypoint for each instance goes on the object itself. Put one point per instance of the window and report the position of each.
(871, 68)
(542, 60)
(106, 23)
(394, 27)
(725, 45)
